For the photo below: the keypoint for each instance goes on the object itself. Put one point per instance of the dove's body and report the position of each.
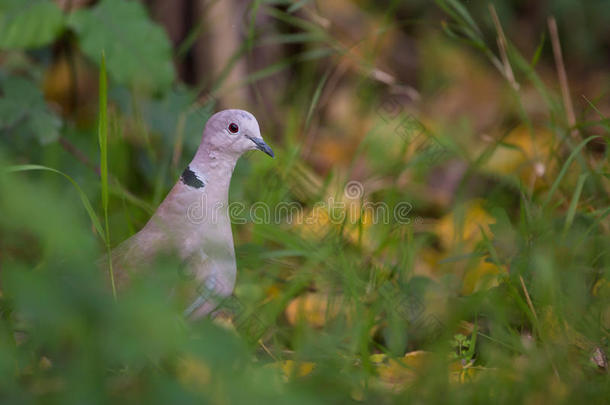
(193, 221)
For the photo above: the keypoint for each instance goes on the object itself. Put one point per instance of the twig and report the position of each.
(260, 342)
(563, 77)
(531, 307)
(117, 187)
(529, 300)
(78, 154)
(508, 70)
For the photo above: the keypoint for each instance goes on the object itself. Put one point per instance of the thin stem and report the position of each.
(563, 77)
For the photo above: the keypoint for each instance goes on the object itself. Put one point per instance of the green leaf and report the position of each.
(460, 14)
(137, 50)
(29, 24)
(23, 111)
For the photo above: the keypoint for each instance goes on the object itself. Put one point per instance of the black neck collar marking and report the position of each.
(190, 178)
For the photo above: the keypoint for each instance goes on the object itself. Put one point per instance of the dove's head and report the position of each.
(233, 132)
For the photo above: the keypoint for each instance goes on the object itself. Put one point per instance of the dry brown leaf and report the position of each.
(60, 89)
(397, 373)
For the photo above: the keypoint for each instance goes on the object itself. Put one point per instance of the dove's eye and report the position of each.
(233, 128)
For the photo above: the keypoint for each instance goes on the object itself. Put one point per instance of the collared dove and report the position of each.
(193, 221)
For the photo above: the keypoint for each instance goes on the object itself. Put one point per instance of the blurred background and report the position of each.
(479, 127)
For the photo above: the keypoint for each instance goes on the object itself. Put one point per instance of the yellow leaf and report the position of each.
(348, 215)
(192, 371)
(377, 358)
(524, 153)
(395, 374)
(463, 373)
(463, 225)
(61, 91)
(482, 276)
(45, 363)
(290, 368)
(315, 223)
(314, 308)
(272, 292)
(601, 288)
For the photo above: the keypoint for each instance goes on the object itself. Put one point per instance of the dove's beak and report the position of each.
(261, 145)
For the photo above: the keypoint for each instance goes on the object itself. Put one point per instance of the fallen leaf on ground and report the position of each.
(315, 308)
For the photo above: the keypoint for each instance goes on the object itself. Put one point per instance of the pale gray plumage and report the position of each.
(193, 222)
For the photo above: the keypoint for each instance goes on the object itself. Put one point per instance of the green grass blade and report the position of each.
(315, 98)
(292, 38)
(103, 135)
(538, 52)
(296, 6)
(253, 8)
(86, 203)
(464, 15)
(564, 169)
(473, 342)
(574, 203)
(493, 253)
(103, 140)
(270, 70)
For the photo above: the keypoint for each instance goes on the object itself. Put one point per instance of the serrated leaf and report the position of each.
(23, 106)
(29, 24)
(137, 50)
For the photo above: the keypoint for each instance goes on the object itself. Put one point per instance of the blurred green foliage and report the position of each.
(29, 24)
(24, 112)
(123, 30)
(503, 300)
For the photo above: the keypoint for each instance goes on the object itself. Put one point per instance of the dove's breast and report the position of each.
(201, 233)
(192, 222)
(193, 218)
